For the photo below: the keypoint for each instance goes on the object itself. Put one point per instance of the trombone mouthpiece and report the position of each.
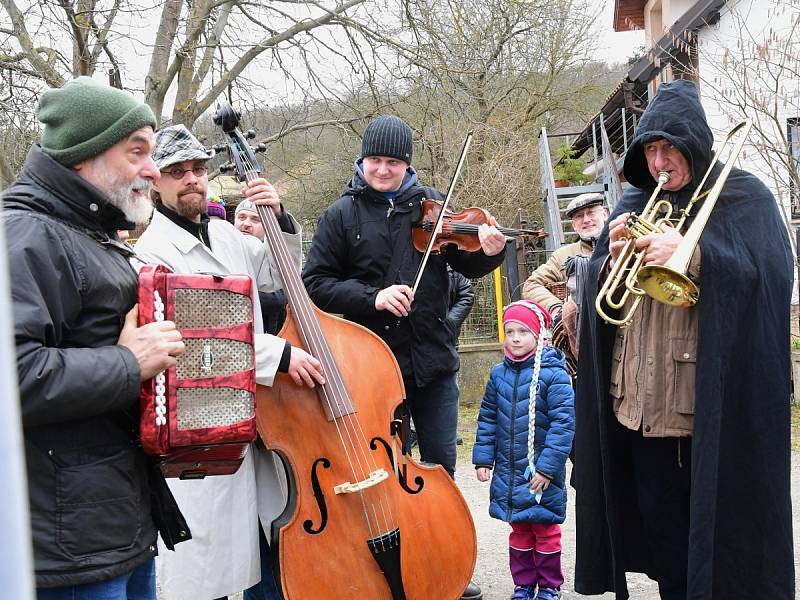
(663, 177)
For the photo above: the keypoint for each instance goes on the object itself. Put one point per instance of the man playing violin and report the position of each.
(361, 263)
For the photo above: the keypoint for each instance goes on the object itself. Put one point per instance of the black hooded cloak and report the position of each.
(740, 538)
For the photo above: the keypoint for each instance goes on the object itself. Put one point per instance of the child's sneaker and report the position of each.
(524, 592)
(548, 594)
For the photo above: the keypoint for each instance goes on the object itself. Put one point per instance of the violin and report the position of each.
(458, 228)
(357, 524)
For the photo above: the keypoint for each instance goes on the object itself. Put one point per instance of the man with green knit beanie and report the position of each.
(96, 501)
(84, 118)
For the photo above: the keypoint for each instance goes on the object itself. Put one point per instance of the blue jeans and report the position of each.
(139, 584)
(266, 588)
(435, 412)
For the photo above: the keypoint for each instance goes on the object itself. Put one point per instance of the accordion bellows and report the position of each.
(199, 416)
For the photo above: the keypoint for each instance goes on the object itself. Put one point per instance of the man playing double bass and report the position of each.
(682, 417)
(361, 263)
(223, 557)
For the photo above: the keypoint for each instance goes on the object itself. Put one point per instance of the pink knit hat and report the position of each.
(523, 312)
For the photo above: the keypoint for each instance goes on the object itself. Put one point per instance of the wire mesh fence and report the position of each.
(480, 326)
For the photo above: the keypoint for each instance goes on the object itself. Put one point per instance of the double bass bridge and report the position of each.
(374, 478)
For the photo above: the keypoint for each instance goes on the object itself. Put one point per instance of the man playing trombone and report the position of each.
(682, 417)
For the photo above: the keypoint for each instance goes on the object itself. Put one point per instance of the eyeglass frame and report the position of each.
(173, 170)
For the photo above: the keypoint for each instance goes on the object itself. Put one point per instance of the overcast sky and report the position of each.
(613, 46)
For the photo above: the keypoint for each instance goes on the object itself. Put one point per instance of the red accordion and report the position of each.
(199, 416)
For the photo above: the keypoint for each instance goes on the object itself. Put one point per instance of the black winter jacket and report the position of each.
(362, 245)
(90, 499)
(462, 297)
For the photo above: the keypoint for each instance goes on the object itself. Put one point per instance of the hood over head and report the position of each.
(676, 115)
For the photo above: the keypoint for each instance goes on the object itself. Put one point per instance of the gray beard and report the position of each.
(120, 195)
(137, 210)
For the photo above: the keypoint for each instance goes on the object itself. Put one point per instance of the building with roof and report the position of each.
(744, 56)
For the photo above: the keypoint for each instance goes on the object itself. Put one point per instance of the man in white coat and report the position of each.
(223, 511)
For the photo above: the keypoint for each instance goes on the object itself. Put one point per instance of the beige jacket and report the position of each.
(552, 272)
(654, 367)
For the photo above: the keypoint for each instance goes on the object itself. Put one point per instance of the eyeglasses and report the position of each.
(177, 173)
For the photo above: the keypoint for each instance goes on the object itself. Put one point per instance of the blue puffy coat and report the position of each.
(502, 438)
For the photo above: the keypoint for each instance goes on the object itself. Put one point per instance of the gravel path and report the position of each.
(492, 572)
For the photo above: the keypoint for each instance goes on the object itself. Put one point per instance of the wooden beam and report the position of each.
(628, 15)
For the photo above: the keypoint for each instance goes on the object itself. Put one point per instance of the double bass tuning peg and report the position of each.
(250, 134)
(262, 147)
(225, 168)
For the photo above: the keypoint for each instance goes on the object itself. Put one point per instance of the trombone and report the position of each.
(667, 283)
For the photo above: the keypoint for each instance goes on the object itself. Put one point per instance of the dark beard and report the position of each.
(189, 208)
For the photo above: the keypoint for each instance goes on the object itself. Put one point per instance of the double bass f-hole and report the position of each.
(308, 524)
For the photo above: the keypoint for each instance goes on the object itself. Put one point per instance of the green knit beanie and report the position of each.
(85, 118)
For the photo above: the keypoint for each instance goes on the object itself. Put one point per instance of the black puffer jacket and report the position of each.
(363, 244)
(87, 477)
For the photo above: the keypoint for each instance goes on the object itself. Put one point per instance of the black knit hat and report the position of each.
(388, 136)
(85, 118)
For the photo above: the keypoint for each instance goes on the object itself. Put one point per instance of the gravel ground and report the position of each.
(492, 573)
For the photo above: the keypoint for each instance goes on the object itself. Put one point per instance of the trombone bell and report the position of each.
(668, 286)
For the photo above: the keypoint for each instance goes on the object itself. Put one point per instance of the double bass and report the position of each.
(363, 520)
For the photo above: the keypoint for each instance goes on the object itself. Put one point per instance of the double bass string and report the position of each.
(351, 425)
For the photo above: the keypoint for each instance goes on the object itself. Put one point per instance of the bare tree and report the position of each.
(17, 130)
(199, 49)
(501, 68)
(183, 55)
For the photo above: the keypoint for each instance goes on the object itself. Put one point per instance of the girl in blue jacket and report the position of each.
(525, 430)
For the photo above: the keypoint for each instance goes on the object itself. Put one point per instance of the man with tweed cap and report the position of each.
(223, 511)
(362, 262)
(95, 499)
(587, 215)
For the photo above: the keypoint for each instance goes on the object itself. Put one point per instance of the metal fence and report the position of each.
(481, 324)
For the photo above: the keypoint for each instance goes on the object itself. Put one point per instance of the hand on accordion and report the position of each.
(155, 346)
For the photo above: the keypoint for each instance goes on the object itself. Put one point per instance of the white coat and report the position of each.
(222, 512)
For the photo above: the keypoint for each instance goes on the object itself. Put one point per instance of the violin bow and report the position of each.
(438, 226)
